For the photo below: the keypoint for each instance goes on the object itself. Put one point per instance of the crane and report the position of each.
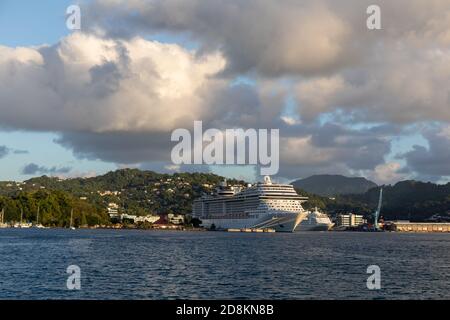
(377, 212)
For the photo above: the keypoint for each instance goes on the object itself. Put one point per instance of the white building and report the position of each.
(148, 218)
(175, 218)
(113, 208)
(350, 220)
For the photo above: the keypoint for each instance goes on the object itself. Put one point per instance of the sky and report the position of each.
(346, 99)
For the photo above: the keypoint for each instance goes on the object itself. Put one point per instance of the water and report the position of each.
(124, 264)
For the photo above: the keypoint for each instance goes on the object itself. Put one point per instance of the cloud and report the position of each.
(403, 87)
(324, 46)
(432, 162)
(4, 151)
(338, 92)
(295, 36)
(333, 148)
(292, 37)
(388, 173)
(21, 151)
(32, 169)
(92, 84)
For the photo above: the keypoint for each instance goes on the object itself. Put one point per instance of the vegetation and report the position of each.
(146, 192)
(332, 185)
(54, 209)
(408, 200)
(136, 192)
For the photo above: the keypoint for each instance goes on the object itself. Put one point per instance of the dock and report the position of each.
(406, 226)
(252, 230)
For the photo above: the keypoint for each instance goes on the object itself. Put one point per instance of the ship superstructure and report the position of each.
(263, 205)
(315, 221)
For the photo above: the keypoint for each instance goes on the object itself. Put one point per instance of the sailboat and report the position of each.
(38, 225)
(2, 219)
(71, 220)
(21, 224)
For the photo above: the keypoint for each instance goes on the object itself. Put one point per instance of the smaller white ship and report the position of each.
(315, 221)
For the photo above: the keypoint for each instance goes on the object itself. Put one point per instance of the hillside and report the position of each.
(333, 185)
(408, 200)
(137, 192)
(144, 192)
(54, 209)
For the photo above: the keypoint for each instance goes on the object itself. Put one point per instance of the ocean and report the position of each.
(133, 264)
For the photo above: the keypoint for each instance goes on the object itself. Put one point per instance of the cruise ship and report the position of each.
(315, 221)
(263, 205)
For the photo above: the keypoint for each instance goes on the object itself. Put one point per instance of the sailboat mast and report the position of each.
(71, 217)
(21, 215)
(37, 217)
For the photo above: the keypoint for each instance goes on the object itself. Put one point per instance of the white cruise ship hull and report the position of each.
(304, 226)
(280, 223)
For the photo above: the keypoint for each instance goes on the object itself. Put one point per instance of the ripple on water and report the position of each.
(124, 264)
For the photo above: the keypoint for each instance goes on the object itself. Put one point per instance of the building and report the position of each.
(350, 220)
(119, 218)
(113, 208)
(407, 226)
(147, 218)
(175, 218)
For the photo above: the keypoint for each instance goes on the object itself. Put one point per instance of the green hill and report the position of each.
(144, 192)
(137, 192)
(409, 200)
(54, 209)
(333, 185)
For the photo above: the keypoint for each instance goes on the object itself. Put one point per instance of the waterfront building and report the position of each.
(113, 209)
(175, 218)
(350, 220)
(147, 218)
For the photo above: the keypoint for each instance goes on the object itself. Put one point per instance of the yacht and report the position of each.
(315, 221)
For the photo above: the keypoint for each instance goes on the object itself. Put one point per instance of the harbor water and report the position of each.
(132, 264)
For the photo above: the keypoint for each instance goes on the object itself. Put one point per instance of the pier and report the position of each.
(251, 230)
(406, 226)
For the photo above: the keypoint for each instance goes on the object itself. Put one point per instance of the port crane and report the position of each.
(377, 212)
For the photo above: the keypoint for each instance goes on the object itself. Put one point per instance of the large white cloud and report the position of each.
(87, 83)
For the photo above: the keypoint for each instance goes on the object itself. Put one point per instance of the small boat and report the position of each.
(2, 218)
(71, 220)
(38, 225)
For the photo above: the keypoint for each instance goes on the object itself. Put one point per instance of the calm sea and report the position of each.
(123, 264)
